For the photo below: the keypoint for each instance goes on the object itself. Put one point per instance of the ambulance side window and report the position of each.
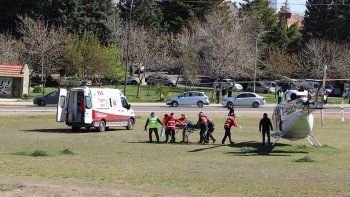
(124, 103)
(88, 103)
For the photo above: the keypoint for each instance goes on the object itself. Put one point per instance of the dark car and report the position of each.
(50, 98)
(154, 79)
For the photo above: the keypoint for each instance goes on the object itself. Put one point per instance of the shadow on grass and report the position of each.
(253, 148)
(69, 131)
(206, 148)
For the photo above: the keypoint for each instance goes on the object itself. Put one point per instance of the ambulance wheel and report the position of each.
(130, 125)
(174, 104)
(200, 104)
(255, 105)
(102, 126)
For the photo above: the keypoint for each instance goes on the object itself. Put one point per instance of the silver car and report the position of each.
(189, 98)
(244, 99)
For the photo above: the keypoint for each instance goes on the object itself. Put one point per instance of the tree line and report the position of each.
(89, 38)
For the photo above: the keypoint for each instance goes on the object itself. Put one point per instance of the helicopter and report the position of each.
(293, 117)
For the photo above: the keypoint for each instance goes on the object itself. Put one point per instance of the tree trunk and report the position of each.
(139, 85)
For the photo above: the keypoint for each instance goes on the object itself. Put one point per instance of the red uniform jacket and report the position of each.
(171, 123)
(231, 121)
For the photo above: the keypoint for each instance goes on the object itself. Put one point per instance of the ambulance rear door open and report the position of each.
(62, 106)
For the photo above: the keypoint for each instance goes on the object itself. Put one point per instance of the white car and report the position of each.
(228, 84)
(189, 98)
(244, 99)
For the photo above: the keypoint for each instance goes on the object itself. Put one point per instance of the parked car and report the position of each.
(154, 79)
(244, 99)
(50, 98)
(333, 90)
(132, 81)
(189, 98)
(205, 81)
(260, 88)
(228, 84)
(310, 85)
(321, 93)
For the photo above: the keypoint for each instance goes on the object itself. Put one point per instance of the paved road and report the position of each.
(160, 109)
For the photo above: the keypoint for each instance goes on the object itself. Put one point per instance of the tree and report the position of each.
(9, 51)
(145, 13)
(285, 7)
(42, 46)
(180, 13)
(318, 53)
(87, 58)
(281, 63)
(324, 19)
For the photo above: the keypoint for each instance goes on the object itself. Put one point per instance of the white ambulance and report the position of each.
(94, 107)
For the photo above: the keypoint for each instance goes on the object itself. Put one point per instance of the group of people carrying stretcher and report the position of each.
(170, 124)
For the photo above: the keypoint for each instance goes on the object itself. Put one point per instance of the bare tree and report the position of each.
(9, 52)
(226, 44)
(318, 53)
(42, 46)
(280, 63)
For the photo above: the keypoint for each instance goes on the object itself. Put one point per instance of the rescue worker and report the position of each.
(183, 123)
(203, 126)
(211, 128)
(265, 126)
(230, 121)
(165, 122)
(171, 127)
(152, 122)
(279, 96)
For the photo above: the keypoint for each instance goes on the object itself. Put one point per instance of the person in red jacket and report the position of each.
(171, 127)
(183, 124)
(230, 121)
(203, 126)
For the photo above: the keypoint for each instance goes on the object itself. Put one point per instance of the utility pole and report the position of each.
(128, 47)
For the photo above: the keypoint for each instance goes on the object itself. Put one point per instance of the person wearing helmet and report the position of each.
(203, 126)
(230, 121)
(211, 128)
(152, 123)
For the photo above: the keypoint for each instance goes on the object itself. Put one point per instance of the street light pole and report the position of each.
(256, 55)
(128, 47)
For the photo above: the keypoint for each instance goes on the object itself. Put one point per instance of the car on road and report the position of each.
(156, 79)
(333, 90)
(50, 98)
(321, 93)
(228, 84)
(244, 99)
(189, 98)
(260, 88)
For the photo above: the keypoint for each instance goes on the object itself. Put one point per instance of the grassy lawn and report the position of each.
(149, 95)
(38, 148)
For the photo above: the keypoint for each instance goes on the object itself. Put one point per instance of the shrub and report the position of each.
(162, 91)
(305, 159)
(37, 89)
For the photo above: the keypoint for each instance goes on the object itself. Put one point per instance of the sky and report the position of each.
(295, 5)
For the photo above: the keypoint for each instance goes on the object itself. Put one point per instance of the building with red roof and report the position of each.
(14, 80)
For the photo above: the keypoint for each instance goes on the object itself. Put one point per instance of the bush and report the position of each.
(37, 89)
(162, 91)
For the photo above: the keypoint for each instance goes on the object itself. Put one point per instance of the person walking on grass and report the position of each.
(171, 127)
(211, 128)
(265, 126)
(152, 123)
(183, 124)
(203, 126)
(230, 121)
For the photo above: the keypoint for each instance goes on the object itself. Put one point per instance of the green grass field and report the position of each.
(36, 148)
(147, 96)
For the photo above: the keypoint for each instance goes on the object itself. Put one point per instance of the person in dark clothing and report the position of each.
(211, 128)
(152, 122)
(230, 121)
(203, 126)
(171, 128)
(265, 127)
(231, 109)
